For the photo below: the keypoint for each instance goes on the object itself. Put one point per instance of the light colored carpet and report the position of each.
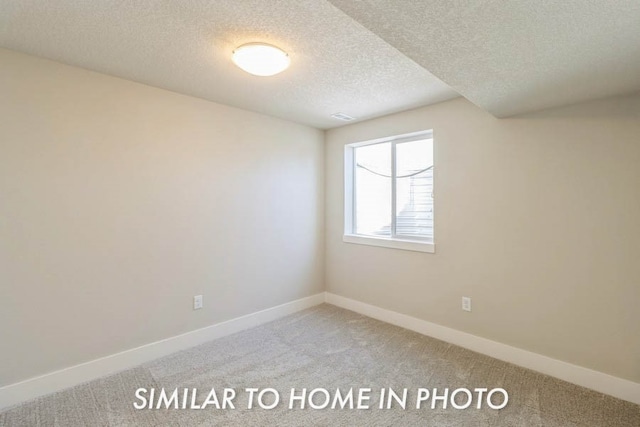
(327, 347)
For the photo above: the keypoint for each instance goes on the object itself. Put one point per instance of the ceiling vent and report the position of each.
(342, 116)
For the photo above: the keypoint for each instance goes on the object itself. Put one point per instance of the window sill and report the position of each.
(407, 245)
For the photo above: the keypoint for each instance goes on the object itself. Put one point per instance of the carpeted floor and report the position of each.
(329, 348)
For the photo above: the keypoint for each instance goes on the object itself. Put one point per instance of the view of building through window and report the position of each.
(376, 181)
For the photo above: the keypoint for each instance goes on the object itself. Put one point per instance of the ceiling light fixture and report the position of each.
(261, 59)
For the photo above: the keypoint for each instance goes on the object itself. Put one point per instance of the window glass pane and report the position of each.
(373, 190)
(414, 189)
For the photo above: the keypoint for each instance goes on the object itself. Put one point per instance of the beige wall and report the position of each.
(119, 202)
(537, 219)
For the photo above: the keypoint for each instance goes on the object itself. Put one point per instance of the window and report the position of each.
(389, 192)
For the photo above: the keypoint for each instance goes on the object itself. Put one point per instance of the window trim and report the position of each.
(349, 198)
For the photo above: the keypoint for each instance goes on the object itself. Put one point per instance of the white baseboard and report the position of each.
(49, 383)
(13, 394)
(598, 381)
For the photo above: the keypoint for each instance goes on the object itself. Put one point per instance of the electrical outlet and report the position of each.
(197, 302)
(466, 303)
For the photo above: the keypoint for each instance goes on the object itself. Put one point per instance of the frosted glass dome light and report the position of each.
(261, 59)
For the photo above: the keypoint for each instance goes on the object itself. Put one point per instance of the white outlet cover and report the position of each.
(466, 303)
(197, 302)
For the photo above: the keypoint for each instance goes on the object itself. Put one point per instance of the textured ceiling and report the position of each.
(365, 58)
(185, 46)
(515, 56)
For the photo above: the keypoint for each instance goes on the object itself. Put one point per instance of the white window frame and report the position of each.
(420, 245)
